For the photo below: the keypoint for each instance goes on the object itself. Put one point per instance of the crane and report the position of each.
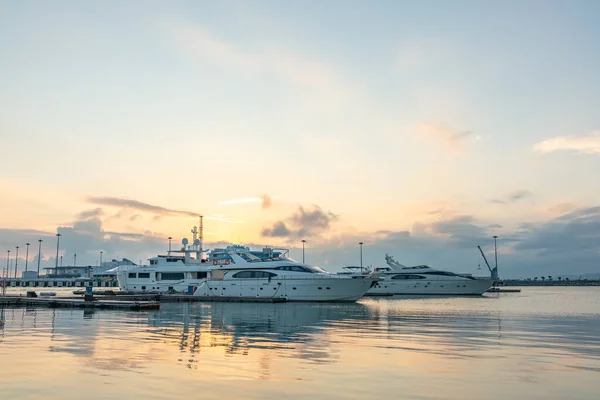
(494, 271)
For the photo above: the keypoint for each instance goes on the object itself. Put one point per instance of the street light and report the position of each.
(361, 244)
(56, 259)
(39, 256)
(303, 241)
(170, 238)
(16, 262)
(27, 257)
(101, 258)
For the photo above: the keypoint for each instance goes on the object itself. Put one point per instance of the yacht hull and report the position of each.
(433, 287)
(290, 288)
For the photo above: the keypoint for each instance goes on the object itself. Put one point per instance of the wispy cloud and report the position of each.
(308, 73)
(449, 137)
(587, 143)
(158, 211)
(513, 197)
(265, 201)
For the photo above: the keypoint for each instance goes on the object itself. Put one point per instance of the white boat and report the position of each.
(236, 272)
(398, 279)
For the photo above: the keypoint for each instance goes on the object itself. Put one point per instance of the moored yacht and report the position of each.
(178, 271)
(238, 272)
(398, 279)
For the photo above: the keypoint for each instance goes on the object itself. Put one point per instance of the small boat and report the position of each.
(47, 294)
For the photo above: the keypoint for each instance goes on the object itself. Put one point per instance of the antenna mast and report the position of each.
(201, 231)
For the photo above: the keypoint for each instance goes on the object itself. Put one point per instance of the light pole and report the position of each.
(26, 257)
(7, 274)
(496, 256)
(101, 258)
(303, 241)
(56, 259)
(361, 243)
(39, 256)
(170, 238)
(74, 259)
(16, 261)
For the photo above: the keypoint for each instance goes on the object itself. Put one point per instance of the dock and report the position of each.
(502, 290)
(55, 302)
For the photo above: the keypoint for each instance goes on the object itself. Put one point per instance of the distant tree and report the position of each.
(535, 278)
(560, 278)
(543, 278)
(549, 277)
(566, 279)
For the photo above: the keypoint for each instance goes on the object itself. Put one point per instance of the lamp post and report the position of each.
(7, 273)
(303, 241)
(74, 259)
(496, 256)
(39, 256)
(26, 257)
(361, 244)
(170, 238)
(101, 258)
(56, 259)
(16, 261)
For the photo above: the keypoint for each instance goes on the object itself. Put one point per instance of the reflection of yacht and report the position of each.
(424, 280)
(238, 272)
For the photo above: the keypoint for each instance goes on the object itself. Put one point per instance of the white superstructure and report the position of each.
(398, 279)
(238, 272)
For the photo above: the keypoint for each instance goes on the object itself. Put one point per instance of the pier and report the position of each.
(78, 303)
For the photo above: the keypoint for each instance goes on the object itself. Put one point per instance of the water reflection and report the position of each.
(393, 341)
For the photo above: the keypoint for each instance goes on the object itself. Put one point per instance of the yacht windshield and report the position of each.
(315, 269)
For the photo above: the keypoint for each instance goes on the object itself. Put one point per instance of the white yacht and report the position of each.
(398, 279)
(178, 271)
(238, 272)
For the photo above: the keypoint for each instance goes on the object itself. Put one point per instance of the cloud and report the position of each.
(575, 231)
(265, 201)
(96, 212)
(587, 143)
(451, 138)
(309, 74)
(158, 211)
(302, 223)
(513, 197)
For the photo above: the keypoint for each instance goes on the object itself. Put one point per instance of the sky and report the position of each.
(420, 128)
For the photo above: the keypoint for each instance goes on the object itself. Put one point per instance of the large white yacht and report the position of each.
(178, 271)
(398, 279)
(236, 272)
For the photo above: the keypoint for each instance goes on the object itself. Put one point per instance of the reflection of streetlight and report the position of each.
(39, 256)
(303, 241)
(27, 257)
(56, 260)
(361, 243)
(16, 262)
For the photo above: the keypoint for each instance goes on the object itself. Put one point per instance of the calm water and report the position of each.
(542, 343)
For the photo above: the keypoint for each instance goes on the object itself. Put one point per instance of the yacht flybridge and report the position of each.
(398, 279)
(238, 272)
